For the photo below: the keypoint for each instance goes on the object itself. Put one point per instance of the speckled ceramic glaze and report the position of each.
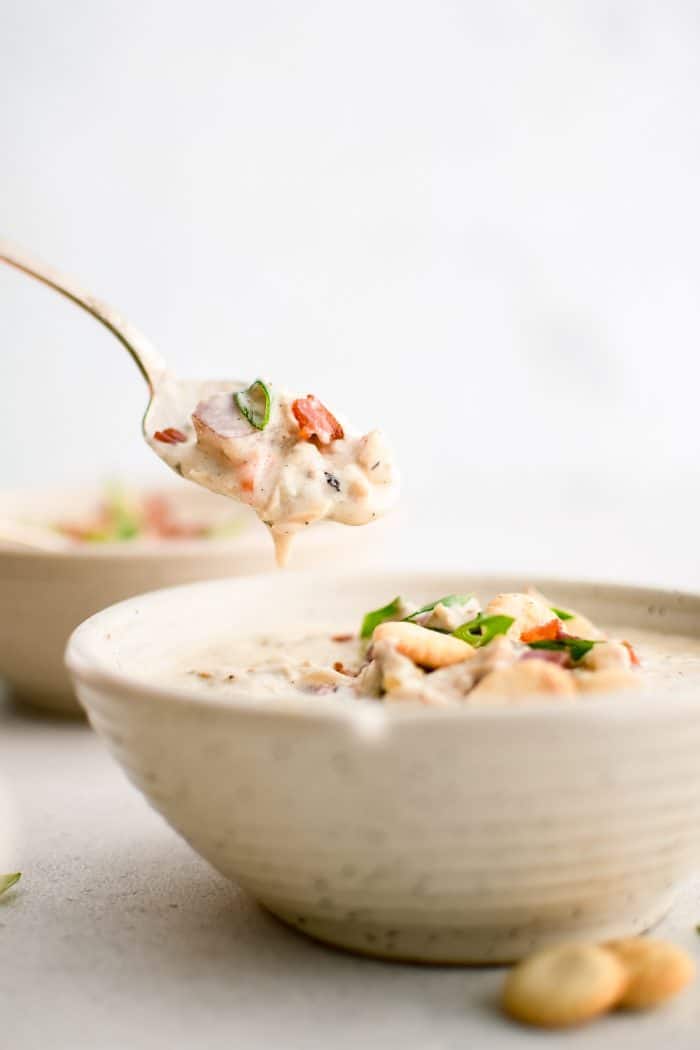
(458, 835)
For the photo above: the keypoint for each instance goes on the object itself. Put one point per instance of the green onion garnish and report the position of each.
(124, 518)
(9, 880)
(254, 403)
(450, 599)
(576, 647)
(561, 614)
(377, 616)
(483, 629)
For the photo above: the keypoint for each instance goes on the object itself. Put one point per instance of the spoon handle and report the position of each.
(149, 361)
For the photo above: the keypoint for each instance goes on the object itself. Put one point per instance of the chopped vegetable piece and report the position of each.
(377, 616)
(562, 659)
(575, 647)
(123, 515)
(449, 600)
(170, 436)
(483, 629)
(255, 403)
(6, 881)
(340, 667)
(117, 518)
(545, 632)
(315, 421)
(636, 662)
(562, 613)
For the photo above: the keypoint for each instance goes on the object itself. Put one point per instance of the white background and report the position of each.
(474, 224)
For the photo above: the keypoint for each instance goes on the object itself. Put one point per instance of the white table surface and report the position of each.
(119, 937)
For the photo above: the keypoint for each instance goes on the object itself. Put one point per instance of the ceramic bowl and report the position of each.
(45, 594)
(444, 835)
(9, 847)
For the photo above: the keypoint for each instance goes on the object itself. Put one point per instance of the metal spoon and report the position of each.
(171, 399)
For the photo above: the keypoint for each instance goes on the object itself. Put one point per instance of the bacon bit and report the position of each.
(170, 436)
(315, 421)
(546, 632)
(342, 637)
(247, 478)
(552, 656)
(157, 512)
(636, 662)
(342, 669)
(160, 521)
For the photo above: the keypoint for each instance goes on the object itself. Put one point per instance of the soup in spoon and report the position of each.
(287, 457)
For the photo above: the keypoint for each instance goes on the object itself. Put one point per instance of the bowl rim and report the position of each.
(13, 499)
(138, 549)
(250, 539)
(366, 714)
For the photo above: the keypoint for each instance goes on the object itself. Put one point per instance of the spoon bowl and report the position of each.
(306, 468)
(170, 408)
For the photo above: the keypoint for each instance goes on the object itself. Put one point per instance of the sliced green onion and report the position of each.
(450, 599)
(9, 880)
(255, 403)
(561, 614)
(576, 647)
(483, 629)
(377, 616)
(125, 519)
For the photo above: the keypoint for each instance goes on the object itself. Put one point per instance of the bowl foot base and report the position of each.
(467, 945)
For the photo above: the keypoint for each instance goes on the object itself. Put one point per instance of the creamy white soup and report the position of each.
(289, 458)
(444, 653)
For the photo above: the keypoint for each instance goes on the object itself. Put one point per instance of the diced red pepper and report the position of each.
(315, 421)
(636, 662)
(545, 632)
(170, 436)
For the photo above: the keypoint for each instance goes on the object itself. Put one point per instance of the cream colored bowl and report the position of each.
(45, 594)
(441, 835)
